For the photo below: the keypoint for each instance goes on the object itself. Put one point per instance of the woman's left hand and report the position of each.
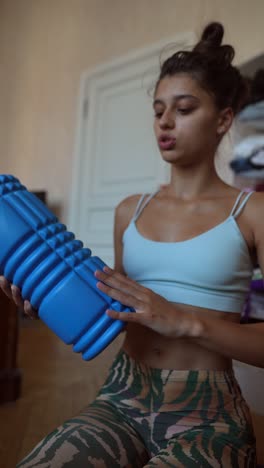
(151, 309)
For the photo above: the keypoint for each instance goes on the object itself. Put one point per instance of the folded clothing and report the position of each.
(249, 157)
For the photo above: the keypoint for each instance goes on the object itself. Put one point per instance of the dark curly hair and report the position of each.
(210, 63)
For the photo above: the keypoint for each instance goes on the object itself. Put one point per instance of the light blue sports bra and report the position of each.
(212, 270)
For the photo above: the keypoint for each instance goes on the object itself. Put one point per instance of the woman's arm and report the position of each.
(244, 342)
(120, 222)
(123, 214)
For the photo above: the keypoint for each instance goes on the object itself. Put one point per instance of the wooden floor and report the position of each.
(57, 384)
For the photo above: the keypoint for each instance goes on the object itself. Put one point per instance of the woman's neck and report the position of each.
(189, 184)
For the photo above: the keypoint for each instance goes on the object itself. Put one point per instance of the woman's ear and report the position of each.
(225, 120)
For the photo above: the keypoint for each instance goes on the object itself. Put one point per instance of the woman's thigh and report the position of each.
(208, 450)
(201, 419)
(98, 437)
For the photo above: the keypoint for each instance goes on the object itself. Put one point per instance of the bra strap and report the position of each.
(235, 212)
(141, 204)
(237, 202)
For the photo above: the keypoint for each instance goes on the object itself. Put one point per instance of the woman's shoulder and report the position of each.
(256, 209)
(126, 208)
(129, 202)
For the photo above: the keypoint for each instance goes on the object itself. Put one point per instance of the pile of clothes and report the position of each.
(248, 160)
(254, 305)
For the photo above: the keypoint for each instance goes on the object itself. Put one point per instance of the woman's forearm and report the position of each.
(242, 342)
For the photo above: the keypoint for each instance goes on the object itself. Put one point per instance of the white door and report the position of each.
(116, 153)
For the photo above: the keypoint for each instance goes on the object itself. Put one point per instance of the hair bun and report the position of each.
(210, 45)
(210, 64)
(213, 34)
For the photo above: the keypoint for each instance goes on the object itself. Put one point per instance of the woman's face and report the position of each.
(187, 123)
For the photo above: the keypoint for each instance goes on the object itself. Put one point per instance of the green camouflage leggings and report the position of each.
(146, 417)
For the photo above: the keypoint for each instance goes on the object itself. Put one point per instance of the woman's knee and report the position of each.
(95, 438)
(200, 449)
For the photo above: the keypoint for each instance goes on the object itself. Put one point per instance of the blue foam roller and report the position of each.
(54, 271)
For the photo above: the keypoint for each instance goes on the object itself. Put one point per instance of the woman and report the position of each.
(183, 260)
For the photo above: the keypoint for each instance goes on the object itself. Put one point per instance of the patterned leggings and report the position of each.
(147, 417)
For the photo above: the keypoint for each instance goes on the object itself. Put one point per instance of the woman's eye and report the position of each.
(181, 110)
(184, 110)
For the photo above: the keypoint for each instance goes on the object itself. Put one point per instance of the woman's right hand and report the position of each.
(13, 292)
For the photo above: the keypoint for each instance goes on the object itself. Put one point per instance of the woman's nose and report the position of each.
(167, 120)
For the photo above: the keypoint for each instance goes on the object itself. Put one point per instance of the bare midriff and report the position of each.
(155, 350)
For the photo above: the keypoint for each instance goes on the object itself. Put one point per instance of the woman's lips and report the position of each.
(167, 144)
